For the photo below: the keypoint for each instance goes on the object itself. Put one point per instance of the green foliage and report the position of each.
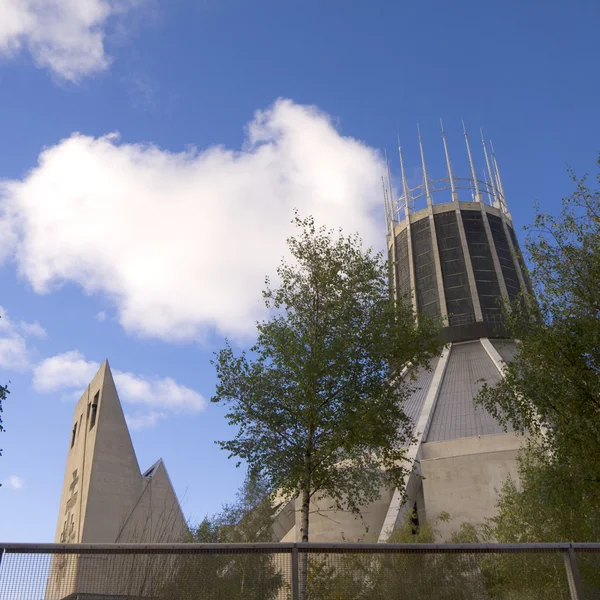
(520, 575)
(552, 388)
(446, 576)
(248, 520)
(551, 392)
(229, 575)
(549, 505)
(412, 575)
(318, 407)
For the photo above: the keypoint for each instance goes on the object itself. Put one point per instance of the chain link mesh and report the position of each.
(251, 574)
(426, 575)
(321, 572)
(588, 562)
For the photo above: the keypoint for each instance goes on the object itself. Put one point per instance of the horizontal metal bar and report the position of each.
(26, 548)
(286, 548)
(439, 548)
(584, 546)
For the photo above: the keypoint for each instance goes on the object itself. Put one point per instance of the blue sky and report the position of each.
(151, 246)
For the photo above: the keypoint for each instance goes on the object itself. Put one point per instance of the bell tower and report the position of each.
(105, 497)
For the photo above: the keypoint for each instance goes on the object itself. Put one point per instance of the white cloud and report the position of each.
(181, 243)
(70, 370)
(15, 354)
(15, 482)
(65, 36)
(160, 392)
(67, 370)
(101, 316)
(138, 422)
(33, 329)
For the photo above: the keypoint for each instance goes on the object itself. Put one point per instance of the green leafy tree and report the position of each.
(380, 576)
(551, 392)
(549, 504)
(552, 387)
(230, 575)
(516, 575)
(319, 406)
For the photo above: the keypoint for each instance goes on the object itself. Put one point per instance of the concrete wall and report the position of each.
(105, 497)
(462, 477)
(157, 517)
(112, 467)
(327, 525)
(81, 455)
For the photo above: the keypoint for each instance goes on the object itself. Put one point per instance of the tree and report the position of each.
(549, 505)
(248, 520)
(318, 407)
(551, 392)
(255, 576)
(551, 389)
(379, 576)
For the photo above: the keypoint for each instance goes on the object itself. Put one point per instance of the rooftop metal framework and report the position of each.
(487, 189)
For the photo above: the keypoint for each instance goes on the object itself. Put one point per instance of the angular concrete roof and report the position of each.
(456, 415)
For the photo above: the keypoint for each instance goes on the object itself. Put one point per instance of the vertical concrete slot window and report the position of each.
(414, 520)
(73, 435)
(94, 410)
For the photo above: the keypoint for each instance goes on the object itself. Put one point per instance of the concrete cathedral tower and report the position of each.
(455, 258)
(105, 497)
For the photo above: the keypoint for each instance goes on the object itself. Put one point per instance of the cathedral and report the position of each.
(455, 255)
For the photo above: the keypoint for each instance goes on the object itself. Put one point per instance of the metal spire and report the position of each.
(498, 180)
(496, 201)
(388, 197)
(391, 196)
(473, 174)
(404, 184)
(495, 165)
(385, 205)
(452, 186)
(425, 177)
(487, 186)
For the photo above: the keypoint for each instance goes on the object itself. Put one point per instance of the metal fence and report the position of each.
(300, 571)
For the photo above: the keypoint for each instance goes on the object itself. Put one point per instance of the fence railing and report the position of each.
(286, 571)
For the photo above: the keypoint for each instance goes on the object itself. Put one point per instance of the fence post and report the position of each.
(573, 576)
(295, 578)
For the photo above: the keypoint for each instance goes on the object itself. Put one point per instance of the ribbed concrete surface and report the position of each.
(414, 403)
(456, 415)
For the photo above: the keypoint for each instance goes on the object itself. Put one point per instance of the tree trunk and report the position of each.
(304, 518)
(304, 515)
(303, 556)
